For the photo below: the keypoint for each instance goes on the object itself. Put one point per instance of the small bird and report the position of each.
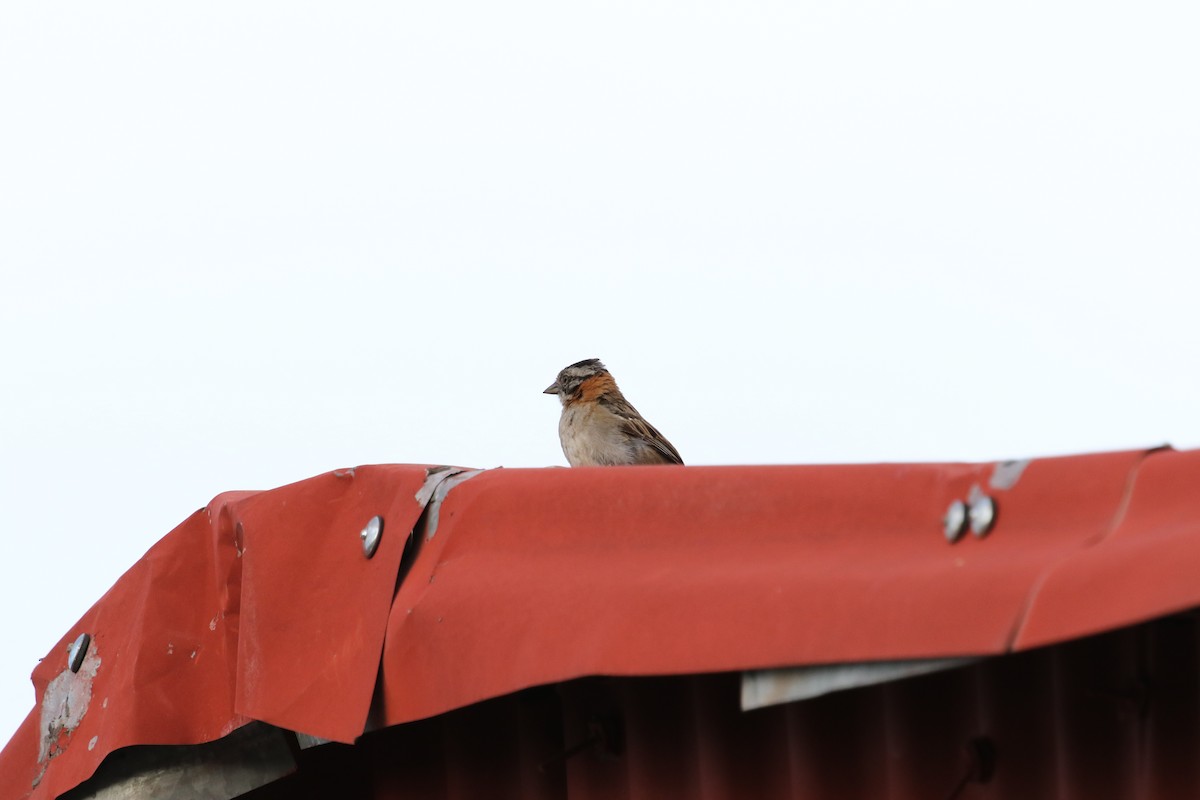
(599, 427)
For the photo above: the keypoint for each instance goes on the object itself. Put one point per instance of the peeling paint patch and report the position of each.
(1006, 473)
(439, 494)
(64, 704)
(433, 478)
(92, 742)
(344, 473)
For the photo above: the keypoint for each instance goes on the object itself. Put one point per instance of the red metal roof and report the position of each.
(262, 606)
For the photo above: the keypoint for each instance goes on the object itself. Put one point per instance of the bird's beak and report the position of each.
(551, 389)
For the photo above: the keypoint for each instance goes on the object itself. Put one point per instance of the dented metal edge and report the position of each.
(763, 688)
(1113, 525)
(438, 483)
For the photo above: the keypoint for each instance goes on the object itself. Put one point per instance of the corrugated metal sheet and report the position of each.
(263, 607)
(1110, 717)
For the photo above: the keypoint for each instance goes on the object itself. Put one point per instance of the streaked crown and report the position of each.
(568, 380)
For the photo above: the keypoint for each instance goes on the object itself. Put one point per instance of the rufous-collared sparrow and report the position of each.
(599, 427)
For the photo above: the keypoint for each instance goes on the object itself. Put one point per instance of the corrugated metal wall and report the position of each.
(1111, 716)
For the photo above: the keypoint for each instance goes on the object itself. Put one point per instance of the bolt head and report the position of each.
(954, 523)
(982, 514)
(78, 650)
(371, 534)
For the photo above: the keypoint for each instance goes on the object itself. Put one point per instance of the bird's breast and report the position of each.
(591, 437)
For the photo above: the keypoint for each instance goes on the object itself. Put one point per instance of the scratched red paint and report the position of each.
(262, 606)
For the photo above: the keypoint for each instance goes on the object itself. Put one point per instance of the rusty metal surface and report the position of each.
(264, 607)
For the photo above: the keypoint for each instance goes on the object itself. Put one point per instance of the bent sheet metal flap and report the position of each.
(260, 606)
(314, 607)
(159, 668)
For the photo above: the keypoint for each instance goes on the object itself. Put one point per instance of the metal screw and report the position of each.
(982, 514)
(78, 650)
(954, 524)
(370, 535)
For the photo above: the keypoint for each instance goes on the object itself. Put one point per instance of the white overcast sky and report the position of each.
(243, 244)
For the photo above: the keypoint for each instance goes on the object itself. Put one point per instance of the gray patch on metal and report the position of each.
(439, 494)
(438, 483)
(762, 688)
(65, 702)
(1006, 473)
(252, 756)
(433, 478)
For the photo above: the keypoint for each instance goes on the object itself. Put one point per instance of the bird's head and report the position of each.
(569, 379)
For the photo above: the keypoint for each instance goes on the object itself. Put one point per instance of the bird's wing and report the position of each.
(649, 434)
(633, 424)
